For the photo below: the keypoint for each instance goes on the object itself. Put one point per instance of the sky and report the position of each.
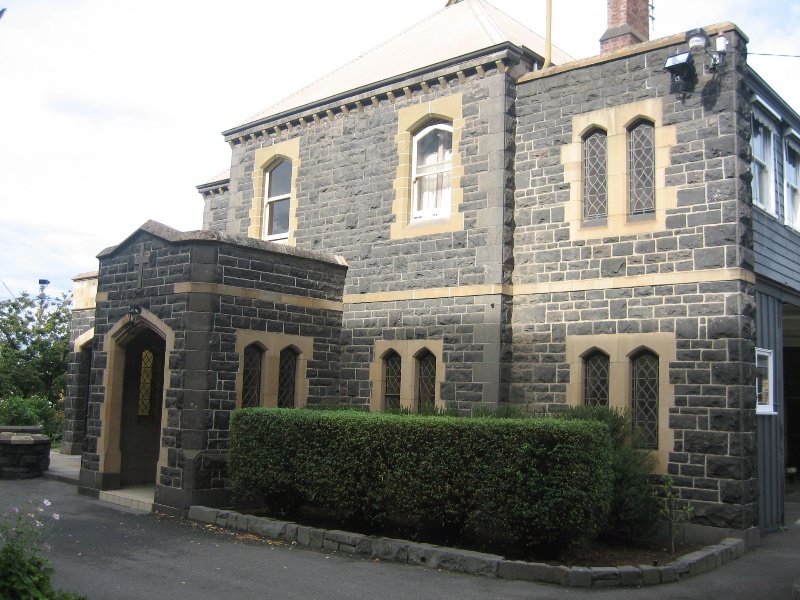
(111, 111)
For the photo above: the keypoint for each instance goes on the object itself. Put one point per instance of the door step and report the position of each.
(136, 497)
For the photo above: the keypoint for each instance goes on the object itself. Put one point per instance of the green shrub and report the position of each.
(526, 483)
(35, 410)
(634, 507)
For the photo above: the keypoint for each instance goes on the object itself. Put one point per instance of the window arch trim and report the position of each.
(273, 344)
(409, 352)
(410, 121)
(266, 159)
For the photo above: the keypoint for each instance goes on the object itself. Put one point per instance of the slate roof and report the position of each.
(457, 30)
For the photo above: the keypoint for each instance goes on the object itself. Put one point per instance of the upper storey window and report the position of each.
(595, 175)
(761, 144)
(432, 168)
(277, 190)
(641, 168)
(792, 188)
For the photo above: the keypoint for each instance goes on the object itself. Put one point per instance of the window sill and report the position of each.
(427, 221)
(641, 217)
(766, 413)
(596, 222)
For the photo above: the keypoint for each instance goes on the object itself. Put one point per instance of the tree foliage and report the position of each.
(34, 346)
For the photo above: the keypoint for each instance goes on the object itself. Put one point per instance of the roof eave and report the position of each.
(516, 52)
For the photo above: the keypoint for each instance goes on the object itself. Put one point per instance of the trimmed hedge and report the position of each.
(501, 483)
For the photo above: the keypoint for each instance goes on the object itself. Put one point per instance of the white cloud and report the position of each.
(111, 112)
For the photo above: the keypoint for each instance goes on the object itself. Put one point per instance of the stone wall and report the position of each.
(415, 285)
(688, 276)
(78, 377)
(200, 291)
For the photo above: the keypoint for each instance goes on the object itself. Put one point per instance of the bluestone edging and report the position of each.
(467, 561)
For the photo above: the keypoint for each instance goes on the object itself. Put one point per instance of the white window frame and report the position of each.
(791, 188)
(268, 201)
(763, 168)
(447, 167)
(765, 407)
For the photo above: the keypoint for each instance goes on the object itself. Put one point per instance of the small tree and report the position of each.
(675, 512)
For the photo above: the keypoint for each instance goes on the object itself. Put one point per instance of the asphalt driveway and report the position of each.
(107, 552)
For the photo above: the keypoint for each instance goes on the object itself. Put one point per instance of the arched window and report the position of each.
(391, 375)
(287, 378)
(277, 190)
(595, 175)
(426, 382)
(641, 168)
(644, 376)
(595, 379)
(147, 378)
(251, 376)
(432, 167)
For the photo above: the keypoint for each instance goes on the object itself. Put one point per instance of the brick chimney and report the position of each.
(628, 24)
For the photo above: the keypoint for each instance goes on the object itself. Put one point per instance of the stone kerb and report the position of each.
(474, 563)
(24, 452)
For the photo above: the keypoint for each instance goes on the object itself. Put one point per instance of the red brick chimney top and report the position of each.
(628, 24)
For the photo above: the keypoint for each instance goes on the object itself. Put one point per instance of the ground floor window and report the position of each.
(426, 382)
(645, 398)
(251, 379)
(595, 379)
(764, 396)
(392, 369)
(287, 377)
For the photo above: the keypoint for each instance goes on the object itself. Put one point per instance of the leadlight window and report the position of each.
(645, 398)
(287, 378)
(595, 377)
(641, 168)
(426, 382)
(251, 376)
(432, 168)
(391, 390)
(792, 188)
(761, 144)
(595, 175)
(277, 190)
(764, 393)
(146, 382)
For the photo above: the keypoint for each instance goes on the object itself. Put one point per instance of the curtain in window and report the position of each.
(433, 169)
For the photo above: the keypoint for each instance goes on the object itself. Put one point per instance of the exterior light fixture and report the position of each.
(133, 314)
(698, 39)
(699, 42)
(681, 67)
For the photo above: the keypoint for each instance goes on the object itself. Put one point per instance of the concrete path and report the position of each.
(109, 552)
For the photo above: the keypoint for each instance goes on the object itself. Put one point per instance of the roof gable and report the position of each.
(459, 29)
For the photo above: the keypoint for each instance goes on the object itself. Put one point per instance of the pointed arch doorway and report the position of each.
(140, 423)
